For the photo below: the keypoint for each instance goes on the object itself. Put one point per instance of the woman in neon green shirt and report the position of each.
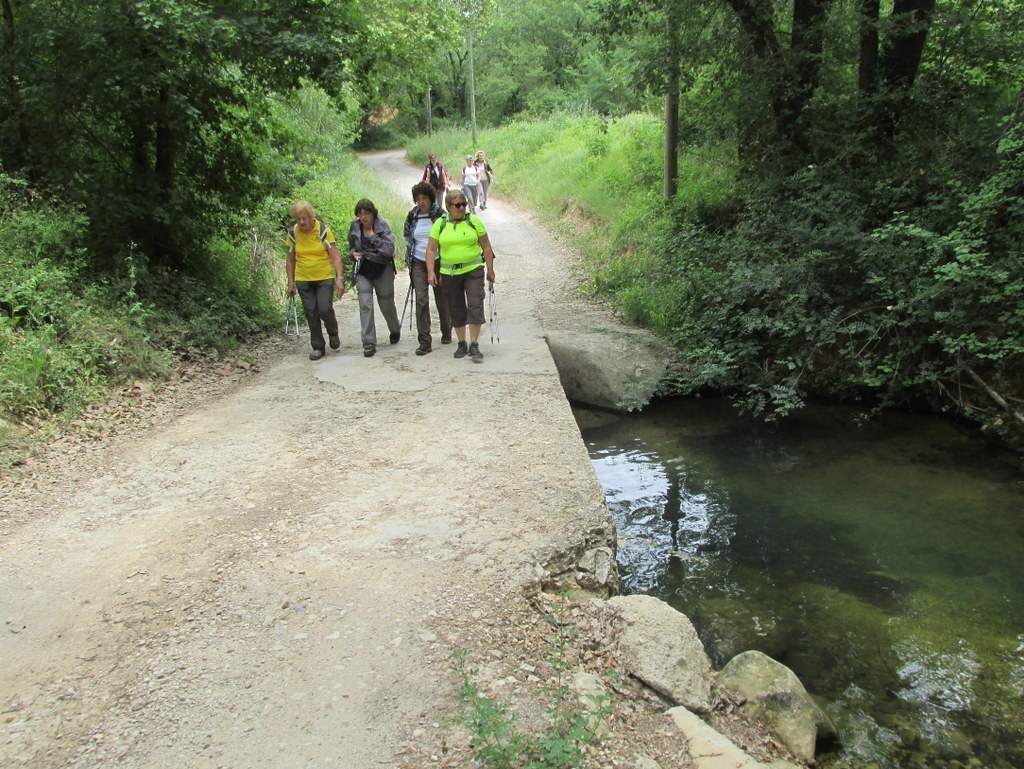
(461, 252)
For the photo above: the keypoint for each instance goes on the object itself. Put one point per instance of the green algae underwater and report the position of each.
(881, 560)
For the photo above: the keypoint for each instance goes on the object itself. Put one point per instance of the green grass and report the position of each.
(598, 183)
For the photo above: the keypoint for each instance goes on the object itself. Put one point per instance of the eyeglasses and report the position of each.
(458, 205)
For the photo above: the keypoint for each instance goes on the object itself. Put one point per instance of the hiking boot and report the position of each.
(369, 351)
(446, 339)
(316, 355)
(474, 353)
(423, 349)
(461, 351)
(395, 336)
(335, 342)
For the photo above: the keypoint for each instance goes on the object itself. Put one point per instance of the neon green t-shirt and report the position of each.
(311, 259)
(459, 243)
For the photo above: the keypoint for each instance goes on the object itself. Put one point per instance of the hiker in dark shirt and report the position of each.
(418, 224)
(372, 247)
(435, 174)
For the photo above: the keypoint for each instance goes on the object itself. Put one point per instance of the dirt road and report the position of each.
(278, 578)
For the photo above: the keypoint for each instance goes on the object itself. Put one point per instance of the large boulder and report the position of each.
(607, 365)
(658, 645)
(774, 696)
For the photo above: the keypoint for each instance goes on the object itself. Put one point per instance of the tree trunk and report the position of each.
(805, 50)
(168, 249)
(18, 156)
(672, 109)
(456, 81)
(792, 74)
(867, 68)
(901, 51)
(909, 22)
(139, 225)
(757, 21)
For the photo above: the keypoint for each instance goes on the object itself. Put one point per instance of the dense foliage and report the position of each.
(844, 218)
(856, 229)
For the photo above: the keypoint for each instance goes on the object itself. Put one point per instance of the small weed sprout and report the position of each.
(496, 738)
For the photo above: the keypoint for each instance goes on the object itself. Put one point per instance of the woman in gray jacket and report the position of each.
(372, 247)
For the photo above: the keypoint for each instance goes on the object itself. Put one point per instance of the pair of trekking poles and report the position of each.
(291, 316)
(491, 307)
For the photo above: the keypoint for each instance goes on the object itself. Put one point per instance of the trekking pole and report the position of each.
(408, 297)
(493, 313)
(412, 302)
(291, 315)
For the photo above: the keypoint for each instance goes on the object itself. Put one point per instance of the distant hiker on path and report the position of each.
(470, 178)
(458, 256)
(485, 175)
(372, 247)
(418, 224)
(313, 267)
(436, 175)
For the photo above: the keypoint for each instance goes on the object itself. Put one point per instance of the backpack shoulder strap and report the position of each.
(323, 234)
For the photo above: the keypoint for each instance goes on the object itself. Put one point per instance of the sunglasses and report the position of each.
(458, 205)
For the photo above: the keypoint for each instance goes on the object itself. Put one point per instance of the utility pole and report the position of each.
(430, 114)
(472, 85)
(672, 110)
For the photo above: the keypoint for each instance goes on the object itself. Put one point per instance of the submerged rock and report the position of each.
(729, 627)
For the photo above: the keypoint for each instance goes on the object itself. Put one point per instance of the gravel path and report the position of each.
(278, 576)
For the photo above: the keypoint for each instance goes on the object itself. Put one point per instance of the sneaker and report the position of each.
(316, 355)
(474, 353)
(395, 336)
(369, 351)
(335, 342)
(423, 349)
(461, 351)
(446, 339)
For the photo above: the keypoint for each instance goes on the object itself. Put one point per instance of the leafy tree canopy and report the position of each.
(155, 114)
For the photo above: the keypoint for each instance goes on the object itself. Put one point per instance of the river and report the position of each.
(881, 560)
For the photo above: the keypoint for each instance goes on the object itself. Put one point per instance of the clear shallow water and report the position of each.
(883, 563)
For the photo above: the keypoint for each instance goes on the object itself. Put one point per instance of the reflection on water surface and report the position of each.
(884, 564)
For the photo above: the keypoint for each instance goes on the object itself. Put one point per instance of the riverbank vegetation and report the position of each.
(846, 219)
